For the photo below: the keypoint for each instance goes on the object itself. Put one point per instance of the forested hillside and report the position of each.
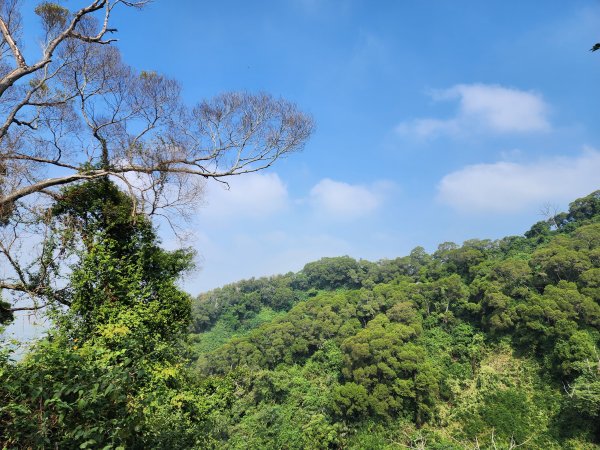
(492, 344)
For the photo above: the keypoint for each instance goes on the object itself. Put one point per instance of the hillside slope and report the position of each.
(491, 344)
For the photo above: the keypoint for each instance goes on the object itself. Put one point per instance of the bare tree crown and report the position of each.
(78, 112)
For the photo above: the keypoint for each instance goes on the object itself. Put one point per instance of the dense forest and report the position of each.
(492, 344)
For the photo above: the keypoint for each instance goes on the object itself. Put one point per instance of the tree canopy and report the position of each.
(79, 113)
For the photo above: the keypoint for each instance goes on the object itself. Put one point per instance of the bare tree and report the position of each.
(78, 112)
(549, 211)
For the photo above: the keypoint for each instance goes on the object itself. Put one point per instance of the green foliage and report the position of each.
(584, 394)
(351, 400)
(492, 344)
(223, 330)
(585, 208)
(508, 413)
(393, 371)
(506, 402)
(332, 273)
(113, 365)
(53, 15)
(6, 315)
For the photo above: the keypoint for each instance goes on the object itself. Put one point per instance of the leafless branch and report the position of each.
(79, 113)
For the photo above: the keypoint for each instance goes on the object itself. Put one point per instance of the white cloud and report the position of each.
(426, 128)
(339, 200)
(253, 195)
(483, 108)
(506, 187)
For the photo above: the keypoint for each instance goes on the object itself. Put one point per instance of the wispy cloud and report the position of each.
(254, 195)
(483, 108)
(507, 187)
(344, 201)
(370, 53)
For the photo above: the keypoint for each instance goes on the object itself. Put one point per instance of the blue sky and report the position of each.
(436, 121)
